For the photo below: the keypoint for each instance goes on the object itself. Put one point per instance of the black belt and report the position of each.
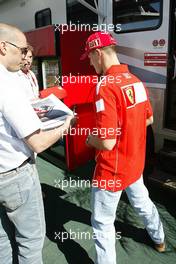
(24, 163)
(21, 165)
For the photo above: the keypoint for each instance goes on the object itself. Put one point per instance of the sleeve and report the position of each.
(19, 113)
(106, 113)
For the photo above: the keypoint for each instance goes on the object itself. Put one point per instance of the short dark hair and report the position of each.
(30, 48)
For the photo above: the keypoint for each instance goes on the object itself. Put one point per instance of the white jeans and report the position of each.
(104, 204)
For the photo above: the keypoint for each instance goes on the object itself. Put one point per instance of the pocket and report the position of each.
(14, 192)
(10, 196)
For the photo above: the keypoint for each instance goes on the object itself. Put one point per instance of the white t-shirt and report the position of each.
(28, 83)
(17, 120)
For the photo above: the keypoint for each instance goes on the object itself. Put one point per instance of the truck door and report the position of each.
(58, 62)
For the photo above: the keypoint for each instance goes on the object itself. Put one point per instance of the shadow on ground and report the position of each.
(59, 211)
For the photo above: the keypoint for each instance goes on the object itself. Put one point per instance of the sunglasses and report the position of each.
(23, 50)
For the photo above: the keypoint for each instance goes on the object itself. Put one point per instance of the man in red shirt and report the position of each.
(122, 113)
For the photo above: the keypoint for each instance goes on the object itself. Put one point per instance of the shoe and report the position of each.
(160, 247)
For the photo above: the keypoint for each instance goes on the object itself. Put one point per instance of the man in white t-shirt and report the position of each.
(20, 136)
(27, 77)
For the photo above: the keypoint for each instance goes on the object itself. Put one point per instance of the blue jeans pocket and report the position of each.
(15, 189)
(10, 196)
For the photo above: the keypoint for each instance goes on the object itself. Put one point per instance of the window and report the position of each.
(43, 18)
(77, 13)
(135, 15)
(50, 72)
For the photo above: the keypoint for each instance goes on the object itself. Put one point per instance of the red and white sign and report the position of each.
(155, 59)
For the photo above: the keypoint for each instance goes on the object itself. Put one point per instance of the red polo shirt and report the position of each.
(122, 107)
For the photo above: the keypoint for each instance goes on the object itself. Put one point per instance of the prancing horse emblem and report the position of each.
(130, 94)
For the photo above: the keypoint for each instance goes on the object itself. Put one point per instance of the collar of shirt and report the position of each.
(3, 68)
(21, 73)
(117, 69)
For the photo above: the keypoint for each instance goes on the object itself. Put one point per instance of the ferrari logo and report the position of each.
(130, 94)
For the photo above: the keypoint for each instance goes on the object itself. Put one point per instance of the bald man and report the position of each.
(20, 136)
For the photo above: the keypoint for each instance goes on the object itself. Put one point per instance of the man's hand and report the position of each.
(68, 121)
(41, 140)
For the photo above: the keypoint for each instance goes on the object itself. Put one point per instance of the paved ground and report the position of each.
(69, 234)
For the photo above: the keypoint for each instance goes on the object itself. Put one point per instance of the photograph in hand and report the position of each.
(43, 110)
(51, 111)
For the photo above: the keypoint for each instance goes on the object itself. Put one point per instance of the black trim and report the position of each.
(43, 22)
(79, 14)
(40, 79)
(141, 29)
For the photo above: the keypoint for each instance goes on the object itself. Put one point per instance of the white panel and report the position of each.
(22, 12)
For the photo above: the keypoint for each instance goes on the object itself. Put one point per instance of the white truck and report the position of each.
(146, 34)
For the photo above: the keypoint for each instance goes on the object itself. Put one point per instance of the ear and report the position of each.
(98, 52)
(3, 49)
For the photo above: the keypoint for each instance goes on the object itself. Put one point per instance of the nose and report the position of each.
(23, 58)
